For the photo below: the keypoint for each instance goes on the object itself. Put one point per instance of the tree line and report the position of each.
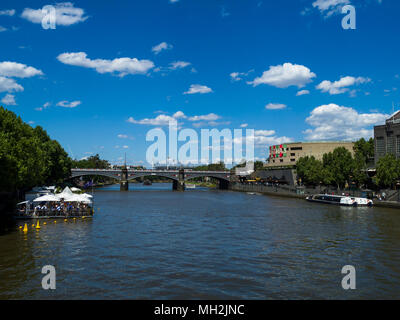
(343, 169)
(28, 157)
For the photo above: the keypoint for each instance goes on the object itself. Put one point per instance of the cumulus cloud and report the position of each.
(275, 106)
(163, 119)
(121, 66)
(9, 100)
(302, 93)
(9, 85)
(160, 120)
(341, 85)
(17, 70)
(67, 104)
(264, 138)
(197, 88)
(66, 14)
(286, 75)
(329, 7)
(179, 65)
(161, 47)
(9, 12)
(207, 117)
(179, 115)
(237, 76)
(331, 122)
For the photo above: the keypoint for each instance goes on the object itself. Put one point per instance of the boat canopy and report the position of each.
(66, 193)
(47, 198)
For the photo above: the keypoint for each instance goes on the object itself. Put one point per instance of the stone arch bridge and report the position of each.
(178, 177)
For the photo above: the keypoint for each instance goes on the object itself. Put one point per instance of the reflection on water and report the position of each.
(154, 243)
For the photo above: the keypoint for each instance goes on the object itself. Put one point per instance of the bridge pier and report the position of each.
(223, 184)
(179, 185)
(124, 184)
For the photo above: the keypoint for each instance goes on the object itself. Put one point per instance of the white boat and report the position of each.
(341, 200)
(190, 186)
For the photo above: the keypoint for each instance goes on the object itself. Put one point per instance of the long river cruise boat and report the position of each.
(341, 200)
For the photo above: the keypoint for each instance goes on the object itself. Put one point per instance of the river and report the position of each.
(152, 243)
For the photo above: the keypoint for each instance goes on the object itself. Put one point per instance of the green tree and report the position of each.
(219, 166)
(387, 171)
(363, 154)
(28, 157)
(92, 162)
(340, 165)
(311, 171)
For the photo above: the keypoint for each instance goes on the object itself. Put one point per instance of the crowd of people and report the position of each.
(53, 209)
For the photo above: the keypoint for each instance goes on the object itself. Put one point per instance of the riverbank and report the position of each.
(290, 192)
(203, 184)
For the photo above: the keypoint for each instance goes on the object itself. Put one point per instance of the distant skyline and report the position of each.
(112, 71)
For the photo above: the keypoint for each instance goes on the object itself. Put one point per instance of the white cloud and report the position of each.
(2, 29)
(66, 14)
(160, 47)
(302, 93)
(237, 76)
(125, 147)
(341, 85)
(341, 123)
(207, 117)
(179, 115)
(329, 7)
(18, 70)
(264, 138)
(122, 136)
(197, 88)
(9, 85)
(9, 100)
(244, 125)
(45, 106)
(122, 66)
(286, 75)
(265, 133)
(179, 65)
(9, 12)
(160, 120)
(275, 106)
(67, 104)
(164, 120)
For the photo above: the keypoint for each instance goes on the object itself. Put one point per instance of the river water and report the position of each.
(152, 243)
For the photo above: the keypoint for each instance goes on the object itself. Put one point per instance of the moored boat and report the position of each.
(340, 200)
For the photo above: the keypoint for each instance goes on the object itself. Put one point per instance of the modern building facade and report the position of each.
(288, 154)
(387, 137)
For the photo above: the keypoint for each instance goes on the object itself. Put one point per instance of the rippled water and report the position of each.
(152, 243)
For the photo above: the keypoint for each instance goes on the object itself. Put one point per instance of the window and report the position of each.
(380, 146)
(398, 144)
(281, 160)
(390, 143)
(292, 154)
(296, 148)
(292, 160)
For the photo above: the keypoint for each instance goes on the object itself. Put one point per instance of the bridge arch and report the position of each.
(146, 174)
(103, 174)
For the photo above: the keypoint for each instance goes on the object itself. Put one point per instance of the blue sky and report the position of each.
(113, 70)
